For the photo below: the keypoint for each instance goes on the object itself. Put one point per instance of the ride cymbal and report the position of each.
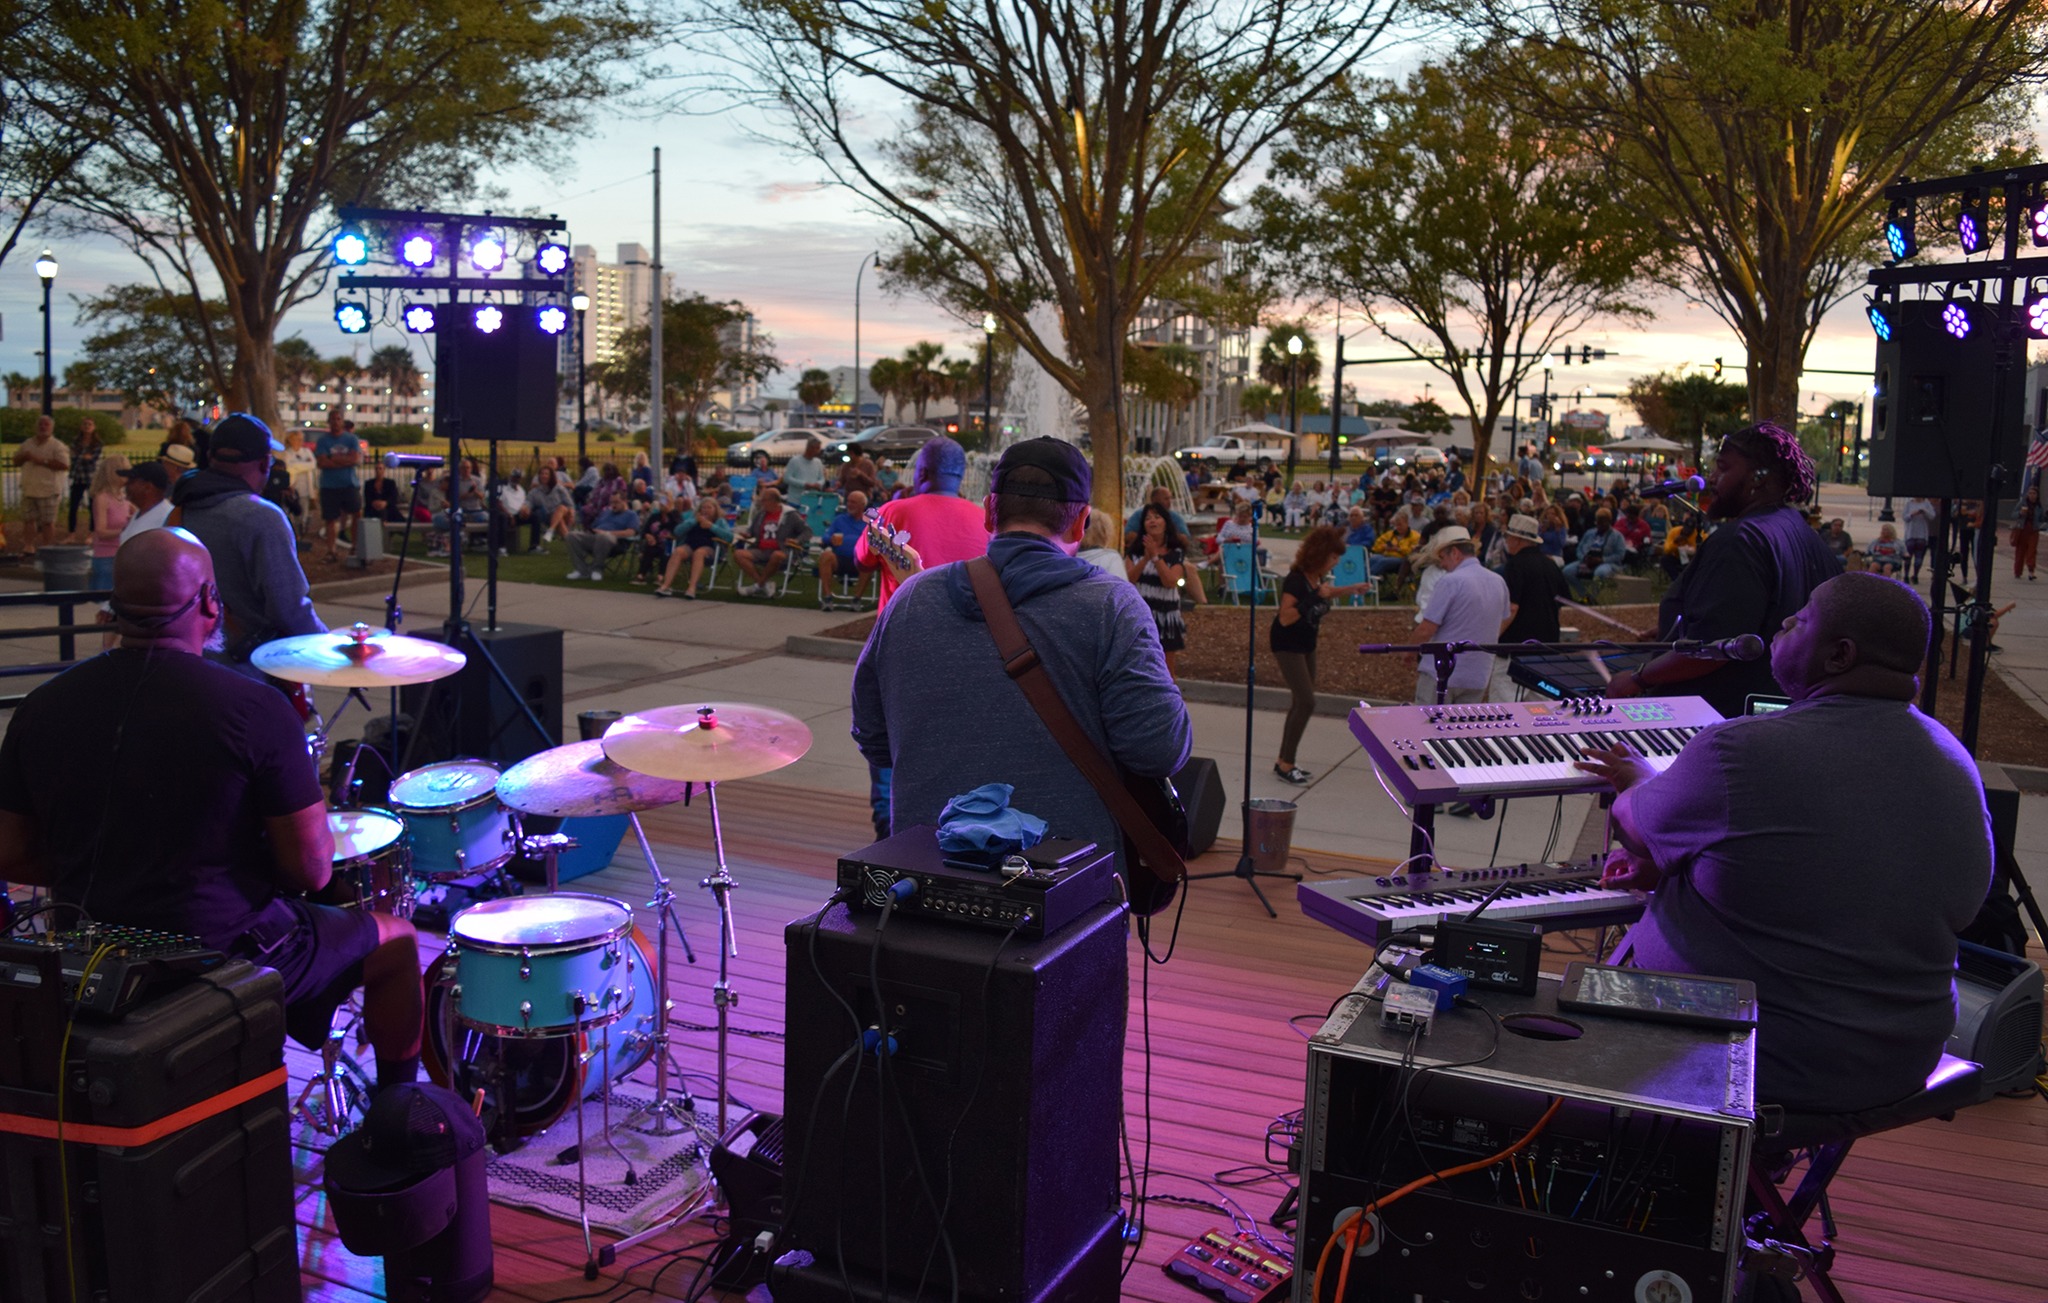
(707, 743)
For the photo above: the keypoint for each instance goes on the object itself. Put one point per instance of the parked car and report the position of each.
(1567, 462)
(1420, 455)
(1227, 448)
(899, 443)
(780, 445)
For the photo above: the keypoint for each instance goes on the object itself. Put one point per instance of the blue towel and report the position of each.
(982, 820)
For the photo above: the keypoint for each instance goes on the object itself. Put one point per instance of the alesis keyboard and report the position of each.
(1435, 754)
(1555, 897)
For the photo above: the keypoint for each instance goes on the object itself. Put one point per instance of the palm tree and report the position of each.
(886, 377)
(922, 381)
(298, 366)
(1279, 368)
(341, 372)
(963, 379)
(393, 367)
(814, 388)
(1260, 400)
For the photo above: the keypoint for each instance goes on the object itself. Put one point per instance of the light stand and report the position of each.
(1247, 869)
(46, 270)
(988, 381)
(580, 301)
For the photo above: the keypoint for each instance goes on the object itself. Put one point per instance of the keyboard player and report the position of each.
(1840, 900)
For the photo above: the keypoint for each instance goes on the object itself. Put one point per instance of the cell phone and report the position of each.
(1728, 1003)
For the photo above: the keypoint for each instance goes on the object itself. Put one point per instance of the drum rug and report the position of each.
(666, 1169)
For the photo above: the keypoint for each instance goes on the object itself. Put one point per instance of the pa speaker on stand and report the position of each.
(1933, 430)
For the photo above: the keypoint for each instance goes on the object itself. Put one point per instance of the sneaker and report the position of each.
(577, 574)
(663, 592)
(1294, 774)
(688, 596)
(748, 590)
(548, 537)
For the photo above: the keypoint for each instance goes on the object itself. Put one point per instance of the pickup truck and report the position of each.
(1225, 449)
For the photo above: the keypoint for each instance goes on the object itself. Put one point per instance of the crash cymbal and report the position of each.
(577, 781)
(357, 657)
(707, 743)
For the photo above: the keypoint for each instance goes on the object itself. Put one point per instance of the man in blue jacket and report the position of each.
(931, 699)
(1602, 549)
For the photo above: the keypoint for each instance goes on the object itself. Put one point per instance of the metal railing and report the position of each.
(66, 631)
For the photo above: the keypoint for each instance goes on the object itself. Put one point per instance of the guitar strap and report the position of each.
(1021, 663)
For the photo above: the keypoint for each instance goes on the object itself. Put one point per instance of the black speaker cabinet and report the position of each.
(1933, 430)
(1201, 791)
(1003, 1090)
(469, 713)
(495, 385)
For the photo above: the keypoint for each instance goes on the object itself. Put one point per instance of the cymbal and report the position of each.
(357, 657)
(577, 782)
(707, 743)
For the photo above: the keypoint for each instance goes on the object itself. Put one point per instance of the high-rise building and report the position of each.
(620, 295)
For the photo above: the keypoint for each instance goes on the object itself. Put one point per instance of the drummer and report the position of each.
(150, 788)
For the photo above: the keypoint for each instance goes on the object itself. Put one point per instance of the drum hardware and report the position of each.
(340, 1084)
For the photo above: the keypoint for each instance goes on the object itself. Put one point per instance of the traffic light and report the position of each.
(1585, 355)
(1717, 368)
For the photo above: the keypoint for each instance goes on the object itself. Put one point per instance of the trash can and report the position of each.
(66, 567)
(1271, 826)
(592, 723)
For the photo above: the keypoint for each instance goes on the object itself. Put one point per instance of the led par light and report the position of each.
(352, 317)
(1957, 318)
(1880, 319)
(418, 318)
(1899, 236)
(487, 253)
(351, 247)
(551, 318)
(2035, 310)
(552, 258)
(417, 251)
(488, 318)
(1973, 221)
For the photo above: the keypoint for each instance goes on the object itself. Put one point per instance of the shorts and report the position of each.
(319, 954)
(336, 503)
(39, 511)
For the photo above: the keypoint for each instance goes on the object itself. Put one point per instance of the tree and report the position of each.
(701, 353)
(885, 377)
(921, 380)
(1427, 416)
(1688, 407)
(298, 367)
(814, 388)
(1052, 151)
(158, 347)
(1472, 243)
(1261, 400)
(224, 136)
(393, 367)
(1759, 138)
(1286, 371)
(40, 139)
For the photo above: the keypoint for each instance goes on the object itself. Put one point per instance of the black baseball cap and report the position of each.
(241, 437)
(1072, 478)
(149, 472)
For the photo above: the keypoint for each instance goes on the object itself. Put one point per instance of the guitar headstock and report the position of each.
(889, 543)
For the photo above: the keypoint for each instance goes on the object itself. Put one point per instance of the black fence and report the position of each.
(67, 631)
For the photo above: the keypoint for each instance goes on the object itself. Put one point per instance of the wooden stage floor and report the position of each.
(1934, 1213)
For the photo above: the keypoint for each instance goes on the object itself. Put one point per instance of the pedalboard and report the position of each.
(1035, 892)
(1235, 1268)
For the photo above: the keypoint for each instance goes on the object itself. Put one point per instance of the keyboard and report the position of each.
(1555, 897)
(1434, 754)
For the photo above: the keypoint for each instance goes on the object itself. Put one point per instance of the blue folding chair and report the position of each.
(1352, 568)
(1240, 571)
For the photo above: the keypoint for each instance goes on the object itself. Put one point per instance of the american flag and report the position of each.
(2037, 452)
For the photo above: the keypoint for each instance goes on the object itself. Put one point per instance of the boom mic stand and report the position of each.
(1247, 869)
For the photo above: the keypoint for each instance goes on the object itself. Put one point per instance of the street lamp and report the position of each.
(46, 267)
(1293, 418)
(988, 380)
(859, 272)
(581, 303)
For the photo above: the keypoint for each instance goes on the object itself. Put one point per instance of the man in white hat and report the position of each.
(1469, 604)
(1535, 586)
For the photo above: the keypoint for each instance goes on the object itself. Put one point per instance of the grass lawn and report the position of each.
(551, 566)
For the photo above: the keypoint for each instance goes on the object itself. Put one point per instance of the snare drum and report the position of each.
(453, 822)
(370, 866)
(543, 965)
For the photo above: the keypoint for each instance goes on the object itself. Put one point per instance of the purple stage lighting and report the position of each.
(551, 319)
(487, 253)
(1955, 319)
(2037, 314)
(419, 319)
(489, 318)
(417, 251)
(552, 258)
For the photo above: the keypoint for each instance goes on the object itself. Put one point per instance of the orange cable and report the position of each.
(1354, 1228)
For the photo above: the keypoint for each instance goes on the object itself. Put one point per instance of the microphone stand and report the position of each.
(1247, 869)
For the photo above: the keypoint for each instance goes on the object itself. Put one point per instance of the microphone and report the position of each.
(1672, 488)
(424, 460)
(1742, 647)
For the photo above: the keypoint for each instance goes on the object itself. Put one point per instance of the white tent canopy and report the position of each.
(1642, 443)
(1393, 434)
(1261, 430)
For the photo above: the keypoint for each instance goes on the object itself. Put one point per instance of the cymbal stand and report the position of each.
(664, 906)
(720, 885)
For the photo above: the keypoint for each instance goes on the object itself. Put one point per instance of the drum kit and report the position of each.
(540, 1001)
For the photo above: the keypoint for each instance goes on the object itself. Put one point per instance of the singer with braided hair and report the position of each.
(1758, 566)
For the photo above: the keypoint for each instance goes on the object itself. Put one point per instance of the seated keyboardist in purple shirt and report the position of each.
(1840, 900)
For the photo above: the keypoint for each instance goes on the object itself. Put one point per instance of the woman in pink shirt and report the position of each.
(943, 526)
(110, 513)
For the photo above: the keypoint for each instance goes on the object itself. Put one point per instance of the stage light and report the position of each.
(351, 247)
(552, 319)
(419, 318)
(2037, 311)
(1956, 318)
(417, 251)
(353, 318)
(1973, 221)
(1880, 321)
(552, 258)
(1899, 236)
(488, 318)
(2037, 222)
(487, 253)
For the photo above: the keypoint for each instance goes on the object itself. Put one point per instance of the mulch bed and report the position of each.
(2009, 731)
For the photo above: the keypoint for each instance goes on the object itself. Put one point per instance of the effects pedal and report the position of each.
(1235, 1268)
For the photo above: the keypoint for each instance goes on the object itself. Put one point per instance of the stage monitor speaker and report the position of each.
(1004, 1087)
(1201, 791)
(1933, 430)
(470, 715)
(1998, 1018)
(496, 385)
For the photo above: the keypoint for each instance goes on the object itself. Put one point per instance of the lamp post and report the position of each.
(1293, 418)
(581, 303)
(988, 381)
(859, 272)
(46, 268)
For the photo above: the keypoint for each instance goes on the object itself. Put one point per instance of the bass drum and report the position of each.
(533, 1080)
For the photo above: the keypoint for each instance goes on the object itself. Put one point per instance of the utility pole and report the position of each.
(1336, 400)
(654, 333)
(858, 273)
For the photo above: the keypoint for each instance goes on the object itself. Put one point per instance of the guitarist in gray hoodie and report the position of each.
(255, 554)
